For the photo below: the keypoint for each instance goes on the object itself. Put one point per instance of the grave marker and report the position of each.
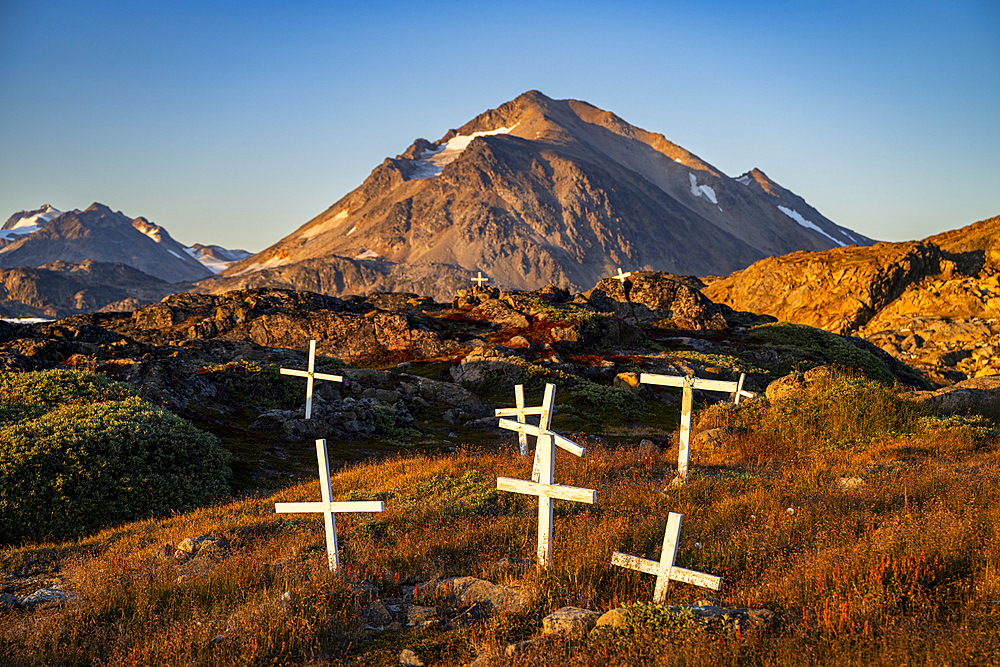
(310, 375)
(622, 276)
(543, 473)
(327, 508)
(689, 384)
(521, 412)
(480, 279)
(665, 570)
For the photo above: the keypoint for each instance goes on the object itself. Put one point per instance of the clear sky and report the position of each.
(236, 122)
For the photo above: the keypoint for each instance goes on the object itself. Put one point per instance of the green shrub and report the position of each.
(817, 347)
(30, 395)
(85, 465)
(840, 411)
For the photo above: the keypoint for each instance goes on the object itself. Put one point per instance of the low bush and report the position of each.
(84, 454)
(841, 410)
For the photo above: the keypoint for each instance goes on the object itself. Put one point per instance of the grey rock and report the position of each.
(520, 648)
(8, 600)
(570, 621)
(469, 590)
(409, 658)
(376, 614)
(418, 615)
(44, 595)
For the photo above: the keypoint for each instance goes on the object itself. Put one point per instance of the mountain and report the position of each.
(103, 235)
(540, 191)
(26, 223)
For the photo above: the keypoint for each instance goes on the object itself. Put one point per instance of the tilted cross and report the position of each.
(665, 570)
(481, 279)
(545, 411)
(622, 276)
(310, 375)
(689, 384)
(327, 507)
(543, 476)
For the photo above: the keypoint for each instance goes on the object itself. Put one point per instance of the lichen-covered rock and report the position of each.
(570, 622)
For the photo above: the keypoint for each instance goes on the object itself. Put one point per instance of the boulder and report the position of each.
(980, 395)
(570, 622)
(470, 590)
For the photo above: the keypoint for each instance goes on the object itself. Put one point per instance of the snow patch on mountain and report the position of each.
(276, 260)
(797, 217)
(27, 222)
(368, 254)
(432, 162)
(705, 191)
(744, 179)
(323, 226)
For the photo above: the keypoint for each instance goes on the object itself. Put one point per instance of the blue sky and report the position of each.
(234, 123)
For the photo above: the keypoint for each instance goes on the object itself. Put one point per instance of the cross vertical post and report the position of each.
(542, 482)
(480, 279)
(311, 375)
(622, 276)
(665, 570)
(688, 385)
(684, 451)
(327, 507)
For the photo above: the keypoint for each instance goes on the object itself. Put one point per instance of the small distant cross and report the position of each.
(480, 280)
(689, 384)
(622, 276)
(665, 570)
(543, 475)
(327, 507)
(310, 375)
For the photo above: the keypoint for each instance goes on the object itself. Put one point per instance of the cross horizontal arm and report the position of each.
(513, 412)
(676, 573)
(346, 506)
(305, 374)
(697, 383)
(531, 429)
(550, 490)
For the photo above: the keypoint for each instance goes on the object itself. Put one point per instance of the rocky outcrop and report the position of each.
(976, 395)
(61, 289)
(839, 290)
(656, 296)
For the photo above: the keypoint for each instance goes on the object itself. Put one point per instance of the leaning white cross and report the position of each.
(327, 507)
(665, 570)
(481, 279)
(310, 375)
(544, 411)
(543, 484)
(622, 276)
(689, 384)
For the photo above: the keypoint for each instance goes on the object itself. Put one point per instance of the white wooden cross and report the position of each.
(310, 375)
(665, 570)
(622, 276)
(545, 411)
(480, 280)
(327, 507)
(543, 476)
(689, 384)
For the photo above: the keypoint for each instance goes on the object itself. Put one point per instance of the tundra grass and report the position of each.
(898, 565)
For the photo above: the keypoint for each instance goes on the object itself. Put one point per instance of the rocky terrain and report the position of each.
(537, 192)
(419, 371)
(934, 304)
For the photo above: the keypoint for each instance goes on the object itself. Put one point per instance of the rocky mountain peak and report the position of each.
(539, 191)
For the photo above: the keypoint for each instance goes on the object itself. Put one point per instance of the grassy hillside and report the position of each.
(868, 526)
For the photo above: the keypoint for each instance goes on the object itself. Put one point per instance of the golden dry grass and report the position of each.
(902, 569)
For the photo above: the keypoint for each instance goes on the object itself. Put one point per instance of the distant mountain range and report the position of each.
(534, 192)
(47, 235)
